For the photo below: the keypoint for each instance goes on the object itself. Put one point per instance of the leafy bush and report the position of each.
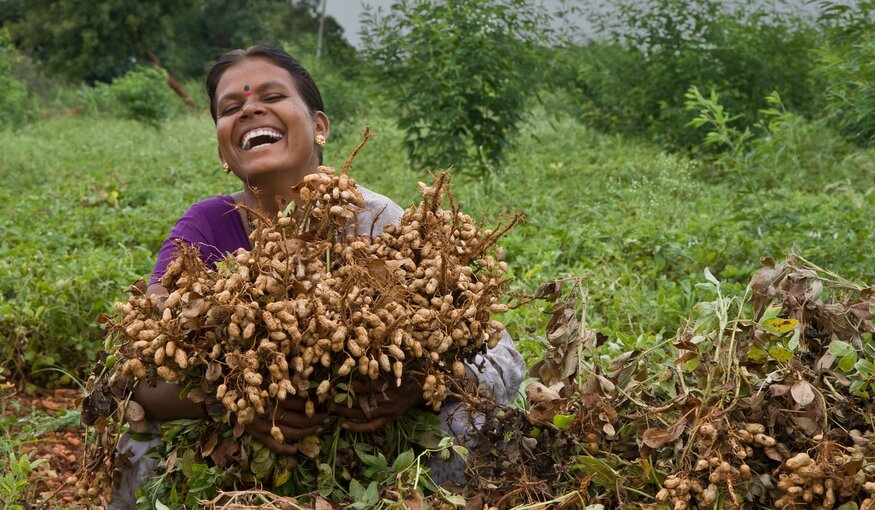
(848, 64)
(462, 73)
(345, 92)
(16, 106)
(142, 95)
(633, 77)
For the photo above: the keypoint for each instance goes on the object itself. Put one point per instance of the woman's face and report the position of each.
(263, 125)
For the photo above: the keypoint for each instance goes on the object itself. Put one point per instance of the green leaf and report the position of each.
(187, 461)
(771, 313)
(756, 354)
(692, 364)
(356, 490)
(710, 277)
(793, 344)
(160, 506)
(779, 326)
(563, 421)
(847, 362)
(865, 367)
(840, 348)
(781, 354)
(403, 461)
(604, 474)
(372, 494)
(325, 480)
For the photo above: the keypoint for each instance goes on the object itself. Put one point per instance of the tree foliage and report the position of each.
(208, 28)
(462, 73)
(93, 40)
(102, 39)
(847, 62)
(633, 76)
(15, 103)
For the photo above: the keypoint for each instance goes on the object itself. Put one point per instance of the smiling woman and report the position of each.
(270, 128)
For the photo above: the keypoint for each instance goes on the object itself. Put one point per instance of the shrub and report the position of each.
(633, 77)
(461, 72)
(848, 65)
(16, 106)
(142, 95)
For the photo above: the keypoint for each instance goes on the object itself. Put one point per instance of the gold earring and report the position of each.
(321, 141)
(226, 168)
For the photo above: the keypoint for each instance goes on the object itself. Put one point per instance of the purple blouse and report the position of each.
(213, 225)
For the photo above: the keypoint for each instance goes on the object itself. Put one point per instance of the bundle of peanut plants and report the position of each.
(313, 308)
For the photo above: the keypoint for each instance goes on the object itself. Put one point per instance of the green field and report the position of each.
(90, 199)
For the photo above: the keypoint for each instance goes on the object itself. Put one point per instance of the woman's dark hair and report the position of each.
(306, 86)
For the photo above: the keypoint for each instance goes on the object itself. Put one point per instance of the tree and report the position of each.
(462, 72)
(208, 28)
(96, 40)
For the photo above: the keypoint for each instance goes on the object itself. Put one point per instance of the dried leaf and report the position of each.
(806, 425)
(621, 360)
(802, 392)
(537, 392)
(414, 501)
(779, 390)
(323, 504)
(549, 291)
(657, 438)
(825, 362)
(851, 467)
(209, 445)
(195, 308)
(309, 447)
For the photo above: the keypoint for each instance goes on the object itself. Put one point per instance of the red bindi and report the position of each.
(246, 91)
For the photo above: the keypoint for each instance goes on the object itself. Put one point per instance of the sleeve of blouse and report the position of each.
(190, 229)
(501, 370)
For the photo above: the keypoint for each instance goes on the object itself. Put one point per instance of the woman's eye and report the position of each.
(273, 97)
(230, 109)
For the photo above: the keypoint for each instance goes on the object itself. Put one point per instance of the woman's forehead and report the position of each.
(253, 72)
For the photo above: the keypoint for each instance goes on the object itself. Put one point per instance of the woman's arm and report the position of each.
(161, 401)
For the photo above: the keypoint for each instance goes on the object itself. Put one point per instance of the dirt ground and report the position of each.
(63, 447)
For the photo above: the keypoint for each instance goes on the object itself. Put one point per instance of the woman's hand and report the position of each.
(377, 403)
(292, 421)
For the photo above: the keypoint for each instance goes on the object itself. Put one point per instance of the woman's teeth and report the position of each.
(260, 137)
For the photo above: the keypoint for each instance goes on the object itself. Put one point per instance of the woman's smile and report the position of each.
(259, 137)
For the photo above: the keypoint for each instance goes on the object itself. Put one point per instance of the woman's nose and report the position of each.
(252, 107)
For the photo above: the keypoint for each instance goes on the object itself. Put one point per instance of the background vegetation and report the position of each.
(626, 174)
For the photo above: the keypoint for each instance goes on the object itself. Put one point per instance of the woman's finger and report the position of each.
(366, 426)
(271, 444)
(262, 426)
(292, 403)
(299, 419)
